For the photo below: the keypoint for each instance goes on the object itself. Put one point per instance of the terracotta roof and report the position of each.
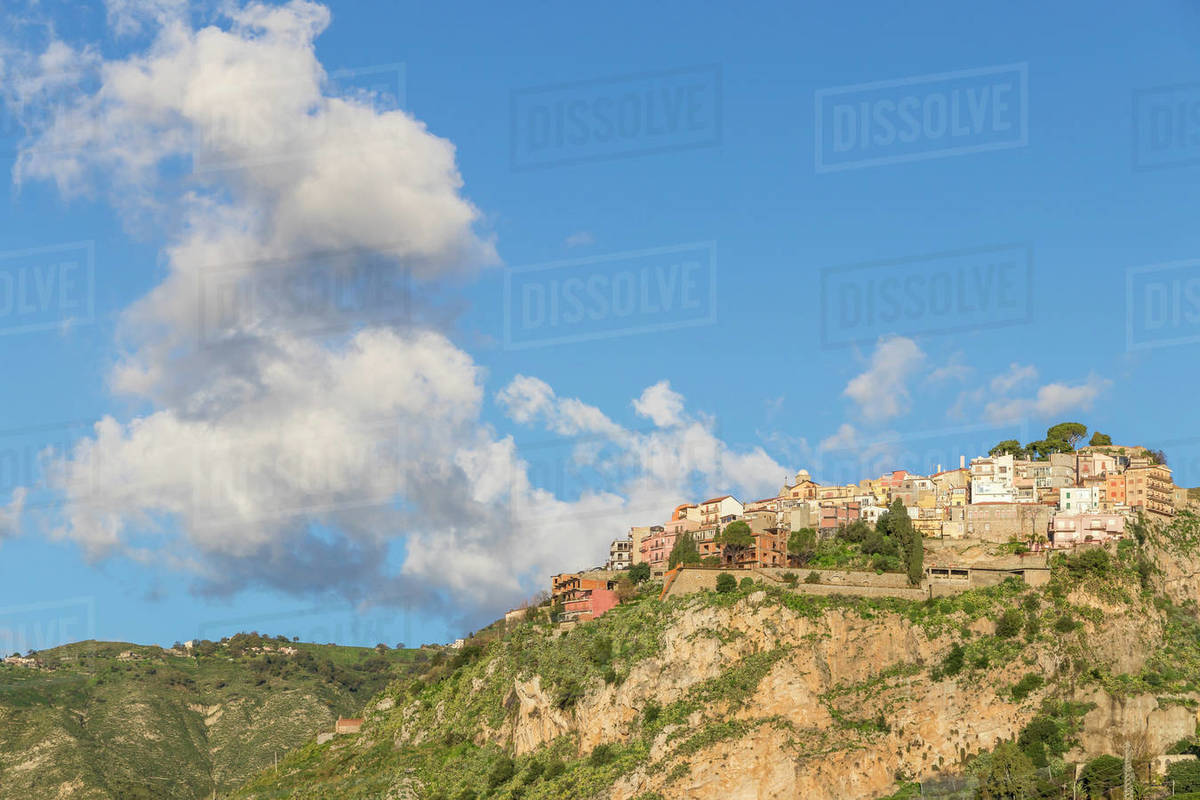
(716, 499)
(675, 513)
(947, 471)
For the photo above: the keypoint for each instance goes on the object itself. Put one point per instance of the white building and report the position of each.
(1079, 499)
(992, 479)
(985, 490)
(714, 510)
(870, 513)
(620, 554)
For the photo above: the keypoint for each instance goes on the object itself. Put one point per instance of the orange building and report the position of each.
(562, 584)
(1114, 489)
(1151, 489)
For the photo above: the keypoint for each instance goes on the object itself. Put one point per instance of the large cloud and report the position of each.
(289, 443)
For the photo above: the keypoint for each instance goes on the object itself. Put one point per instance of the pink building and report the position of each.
(588, 604)
(1092, 463)
(1097, 526)
(656, 547)
(837, 514)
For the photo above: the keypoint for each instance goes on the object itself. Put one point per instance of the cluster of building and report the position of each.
(18, 660)
(1084, 496)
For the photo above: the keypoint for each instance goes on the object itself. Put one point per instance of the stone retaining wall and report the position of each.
(848, 582)
(687, 581)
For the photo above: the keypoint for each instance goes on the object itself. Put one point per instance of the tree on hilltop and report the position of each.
(1100, 440)
(1009, 447)
(1070, 432)
(684, 551)
(1044, 448)
(802, 545)
(737, 537)
(896, 524)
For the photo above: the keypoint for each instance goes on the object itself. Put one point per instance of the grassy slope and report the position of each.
(439, 720)
(167, 726)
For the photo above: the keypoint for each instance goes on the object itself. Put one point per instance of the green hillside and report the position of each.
(792, 695)
(91, 724)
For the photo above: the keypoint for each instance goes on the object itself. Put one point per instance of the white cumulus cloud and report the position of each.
(882, 391)
(287, 444)
(660, 404)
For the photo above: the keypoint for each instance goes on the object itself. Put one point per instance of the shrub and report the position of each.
(502, 772)
(952, 664)
(790, 578)
(1185, 775)
(651, 712)
(876, 543)
(813, 577)
(1093, 561)
(1101, 774)
(1006, 772)
(640, 572)
(568, 694)
(600, 651)
(554, 768)
(856, 531)
(1009, 624)
(603, 754)
(1029, 683)
(1065, 624)
(1042, 738)
(1188, 745)
(726, 583)
(626, 590)
(747, 583)
(533, 772)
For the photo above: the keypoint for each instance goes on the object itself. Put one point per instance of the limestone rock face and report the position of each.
(803, 736)
(537, 720)
(1149, 726)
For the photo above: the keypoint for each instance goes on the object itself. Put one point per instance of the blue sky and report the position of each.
(1077, 173)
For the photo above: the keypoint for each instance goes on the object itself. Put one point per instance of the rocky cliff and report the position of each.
(761, 693)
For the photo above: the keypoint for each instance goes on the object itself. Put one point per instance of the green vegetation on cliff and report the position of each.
(516, 713)
(156, 725)
(656, 700)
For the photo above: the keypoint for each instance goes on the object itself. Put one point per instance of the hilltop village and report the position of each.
(901, 533)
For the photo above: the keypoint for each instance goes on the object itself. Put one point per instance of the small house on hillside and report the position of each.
(347, 725)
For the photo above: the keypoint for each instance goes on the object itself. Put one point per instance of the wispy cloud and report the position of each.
(580, 239)
(1050, 400)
